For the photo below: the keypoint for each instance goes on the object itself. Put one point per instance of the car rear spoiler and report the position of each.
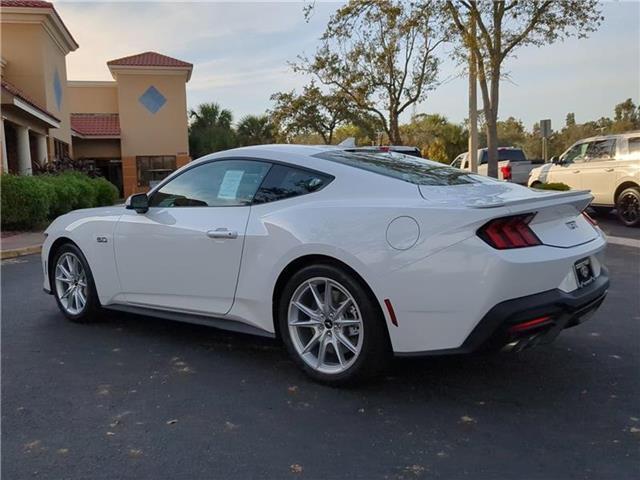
(580, 199)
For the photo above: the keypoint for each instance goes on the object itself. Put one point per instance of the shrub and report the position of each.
(25, 202)
(106, 192)
(561, 187)
(28, 202)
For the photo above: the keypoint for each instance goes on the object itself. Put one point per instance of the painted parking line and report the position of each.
(627, 242)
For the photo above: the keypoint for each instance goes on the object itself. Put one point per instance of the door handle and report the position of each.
(576, 171)
(609, 170)
(222, 233)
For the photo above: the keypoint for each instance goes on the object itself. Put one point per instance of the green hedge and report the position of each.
(29, 202)
(561, 187)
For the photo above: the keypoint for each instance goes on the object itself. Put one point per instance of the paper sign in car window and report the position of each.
(230, 184)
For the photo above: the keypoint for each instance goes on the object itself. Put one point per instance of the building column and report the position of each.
(43, 155)
(5, 160)
(24, 152)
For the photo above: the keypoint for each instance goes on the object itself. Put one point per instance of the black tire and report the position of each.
(536, 184)
(92, 310)
(375, 351)
(601, 211)
(628, 207)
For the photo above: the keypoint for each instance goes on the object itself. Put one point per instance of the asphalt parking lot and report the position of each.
(137, 397)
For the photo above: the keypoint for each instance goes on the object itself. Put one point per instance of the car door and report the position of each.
(568, 170)
(184, 253)
(598, 172)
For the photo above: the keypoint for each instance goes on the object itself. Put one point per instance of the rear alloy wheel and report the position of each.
(73, 285)
(628, 207)
(330, 326)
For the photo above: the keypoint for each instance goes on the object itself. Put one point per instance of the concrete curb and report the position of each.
(19, 252)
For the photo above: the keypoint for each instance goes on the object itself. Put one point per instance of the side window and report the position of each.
(482, 157)
(215, 184)
(634, 148)
(575, 153)
(457, 163)
(601, 150)
(286, 182)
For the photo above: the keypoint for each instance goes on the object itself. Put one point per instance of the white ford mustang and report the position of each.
(346, 255)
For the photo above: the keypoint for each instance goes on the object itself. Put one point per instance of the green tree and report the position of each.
(379, 54)
(435, 135)
(312, 111)
(255, 130)
(626, 116)
(494, 30)
(210, 129)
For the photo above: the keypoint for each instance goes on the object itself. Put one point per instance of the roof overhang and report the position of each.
(34, 112)
(75, 133)
(48, 18)
(148, 70)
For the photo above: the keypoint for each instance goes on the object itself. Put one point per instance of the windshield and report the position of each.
(402, 167)
(511, 154)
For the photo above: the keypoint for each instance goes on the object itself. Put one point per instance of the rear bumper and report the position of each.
(560, 309)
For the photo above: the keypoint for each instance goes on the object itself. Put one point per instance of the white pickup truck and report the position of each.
(513, 164)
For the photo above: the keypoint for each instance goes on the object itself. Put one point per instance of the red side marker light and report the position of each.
(392, 314)
(589, 219)
(536, 322)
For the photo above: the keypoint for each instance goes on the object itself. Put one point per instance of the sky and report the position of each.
(241, 53)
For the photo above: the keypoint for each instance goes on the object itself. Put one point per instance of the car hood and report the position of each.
(76, 217)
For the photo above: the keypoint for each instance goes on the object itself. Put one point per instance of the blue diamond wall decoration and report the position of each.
(57, 88)
(152, 99)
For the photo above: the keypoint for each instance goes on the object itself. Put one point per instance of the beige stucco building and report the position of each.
(132, 129)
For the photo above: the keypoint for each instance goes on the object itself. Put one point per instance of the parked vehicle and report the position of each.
(513, 164)
(406, 150)
(347, 256)
(608, 166)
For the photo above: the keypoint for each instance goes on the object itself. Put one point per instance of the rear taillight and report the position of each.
(589, 219)
(506, 172)
(509, 232)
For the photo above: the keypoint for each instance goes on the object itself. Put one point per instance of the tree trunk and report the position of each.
(394, 131)
(492, 146)
(492, 121)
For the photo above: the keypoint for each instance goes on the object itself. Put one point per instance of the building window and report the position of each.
(152, 169)
(60, 149)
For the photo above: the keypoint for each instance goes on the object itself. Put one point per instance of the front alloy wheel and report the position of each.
(71, 283)
(325, 325)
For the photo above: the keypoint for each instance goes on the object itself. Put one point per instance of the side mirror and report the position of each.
(555, 160)
(138, 202)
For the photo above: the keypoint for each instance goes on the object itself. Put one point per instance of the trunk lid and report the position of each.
(558, 222)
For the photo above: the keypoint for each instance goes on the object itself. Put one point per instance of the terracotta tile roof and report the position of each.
(96, 124)
(16, 92)
(26, 3)
(36, 4)
(149, 59)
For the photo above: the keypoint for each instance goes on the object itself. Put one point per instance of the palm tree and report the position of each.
(255, 130)
(210, 129)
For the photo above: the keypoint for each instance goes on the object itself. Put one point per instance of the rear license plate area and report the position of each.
(584, 272)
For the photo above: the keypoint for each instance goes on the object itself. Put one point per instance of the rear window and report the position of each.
(402, 167)
(513, 155)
